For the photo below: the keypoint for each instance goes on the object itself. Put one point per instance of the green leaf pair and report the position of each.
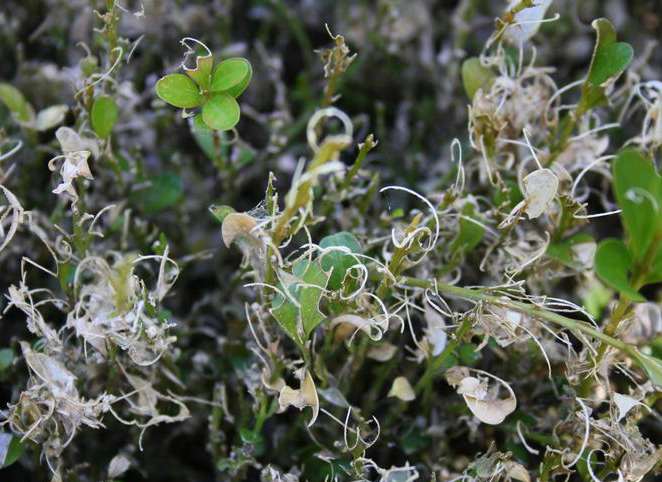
(638, 189)
(215, 89)
(609, 61)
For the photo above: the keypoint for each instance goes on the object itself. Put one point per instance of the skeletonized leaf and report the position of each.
(528, 21)
(402, 389)
(539, 191)
(50, 117)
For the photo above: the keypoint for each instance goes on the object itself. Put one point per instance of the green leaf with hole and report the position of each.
(202, 71)
(613, 264)
(639, 193)
(16, 103)
(232, 76)
(471, 233)
(160, 192)
(11, 449)
(221, 112)
(338, 262)
(610, 59)
(475, 76)
(305, 285)
(104, 115)
(179, 90)
(570, 251)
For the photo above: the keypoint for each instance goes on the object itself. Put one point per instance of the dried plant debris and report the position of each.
(330, 241)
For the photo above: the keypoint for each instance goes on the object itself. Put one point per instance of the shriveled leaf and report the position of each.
(232, 76)
(339, 261)
(576, 252)
(50, 117)
(221, 112)
(539, 191)
(613, 264)
(202, 71)
(382, 352)
(104, 115)
(402, 389)
(11, 449)
(16, 103)
(475, 76)
(304, 285)
(160, 192)
(179, 90)
(639, 193)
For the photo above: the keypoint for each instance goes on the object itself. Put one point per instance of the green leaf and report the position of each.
(11, 449)
(288, 315)
(220, 212)
(610, 58)
(232, 76)
(6, 357)
(104, 115)
(202, 71)
(655, 270)
(163, 190)
(16, 103)
(639, 194)
(651, 365)
(565, 252)
(179, 90)
(475, 76)
(221, 112)
(470, 234)
(339, 261)
(613, 264)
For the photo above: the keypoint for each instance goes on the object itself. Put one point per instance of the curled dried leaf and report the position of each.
(484, 402)
(305, 396)
(235, 225)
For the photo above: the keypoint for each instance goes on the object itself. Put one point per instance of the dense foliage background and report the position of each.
(405, 87)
